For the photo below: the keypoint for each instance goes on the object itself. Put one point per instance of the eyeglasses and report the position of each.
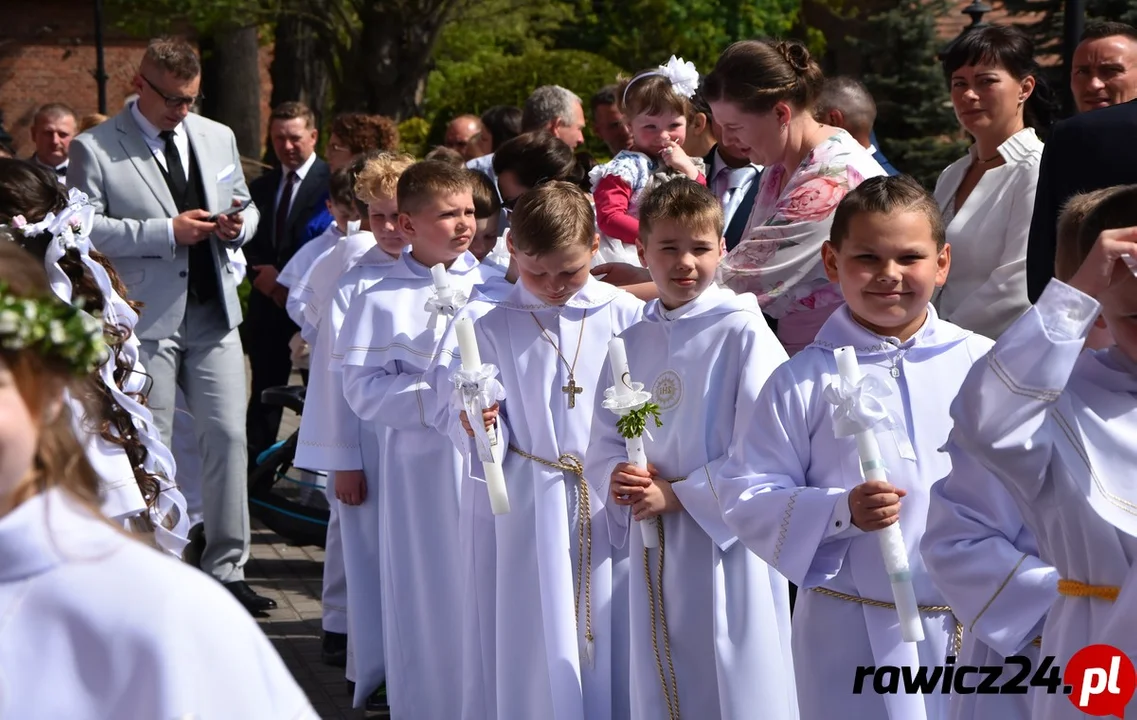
(174, 102)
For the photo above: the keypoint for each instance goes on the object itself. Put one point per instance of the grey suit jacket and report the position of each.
(113, 165)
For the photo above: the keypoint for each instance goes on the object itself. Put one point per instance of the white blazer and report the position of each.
(986, 288)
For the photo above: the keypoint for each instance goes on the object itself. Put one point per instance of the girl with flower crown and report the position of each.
(135, 469)
(97, 625)
(657, 106)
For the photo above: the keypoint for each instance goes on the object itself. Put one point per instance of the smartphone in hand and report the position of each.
(231, 211)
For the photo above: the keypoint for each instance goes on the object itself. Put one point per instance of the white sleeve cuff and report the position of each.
(173, 242)
(841, 521)
(1066, 313)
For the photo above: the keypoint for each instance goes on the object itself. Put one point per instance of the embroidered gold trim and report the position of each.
(1072, 435)
(1006, 580)
(785, 524)
(1046, 396)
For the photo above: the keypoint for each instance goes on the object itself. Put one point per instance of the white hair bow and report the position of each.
(682, 74)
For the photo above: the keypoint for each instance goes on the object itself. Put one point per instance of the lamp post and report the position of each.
(100, 61)
(976, 10)
(1073, 19)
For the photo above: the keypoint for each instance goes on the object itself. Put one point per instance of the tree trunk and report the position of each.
(390, 58)
(231, 84)
(299, 67)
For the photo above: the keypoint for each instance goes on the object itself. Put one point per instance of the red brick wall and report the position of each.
(47, 54)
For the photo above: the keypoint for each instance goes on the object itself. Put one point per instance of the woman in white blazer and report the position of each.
(987, 196)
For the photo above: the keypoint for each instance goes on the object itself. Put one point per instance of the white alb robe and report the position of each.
(97, 625)
(1035, 413)
(298, 267)
(784, 491)
(543, 667)
(331, 439)
(386, 344)
(985, 561)
(315, 288)
(727, 612)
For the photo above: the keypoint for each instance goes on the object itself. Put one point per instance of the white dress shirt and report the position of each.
(60, 170)
(150, 133)
(730, 185)
(986, 289)
(301, 173)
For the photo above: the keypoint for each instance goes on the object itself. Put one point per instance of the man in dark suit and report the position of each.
(289, 196)
(1090, 151)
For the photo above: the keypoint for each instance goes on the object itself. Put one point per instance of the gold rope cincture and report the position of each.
(570, 463)
(655, 605)
(957, 636)
(1073, 588)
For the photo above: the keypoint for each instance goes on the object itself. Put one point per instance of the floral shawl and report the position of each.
(779, 259)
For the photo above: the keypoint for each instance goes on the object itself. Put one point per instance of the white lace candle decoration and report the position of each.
(446, 301)
(624, 398)
(858, 411)
(477, 389)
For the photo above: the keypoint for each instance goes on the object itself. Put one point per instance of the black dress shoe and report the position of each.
(253, 603)
(334, 650)
(195, 548)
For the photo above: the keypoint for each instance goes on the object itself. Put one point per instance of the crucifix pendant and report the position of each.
(572, 389)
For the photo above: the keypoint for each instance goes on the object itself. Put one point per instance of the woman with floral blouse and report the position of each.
(761, 94)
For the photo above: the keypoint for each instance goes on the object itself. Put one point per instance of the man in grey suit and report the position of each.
(160, 178)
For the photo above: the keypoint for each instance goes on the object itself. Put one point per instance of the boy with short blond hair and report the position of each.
(390, 336)
(709, 620)
(331, 436)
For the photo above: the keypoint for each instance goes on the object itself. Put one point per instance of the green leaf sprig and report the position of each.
(634, 423)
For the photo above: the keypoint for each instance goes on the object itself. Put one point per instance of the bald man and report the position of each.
(847, 104)
(468, 136)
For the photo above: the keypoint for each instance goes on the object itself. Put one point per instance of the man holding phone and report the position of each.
(160, 177)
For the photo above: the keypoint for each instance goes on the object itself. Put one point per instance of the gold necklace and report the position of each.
(571, 389)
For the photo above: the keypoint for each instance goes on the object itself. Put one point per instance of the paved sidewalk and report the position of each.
(292, 575)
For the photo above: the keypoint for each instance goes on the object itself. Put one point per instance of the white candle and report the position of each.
(891, 540)
(441, 280)
(472, 360)
(622, 380)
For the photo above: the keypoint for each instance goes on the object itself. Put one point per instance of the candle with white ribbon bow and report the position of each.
(446, 301)
(473, 383)
(872, 467)
(623, 398)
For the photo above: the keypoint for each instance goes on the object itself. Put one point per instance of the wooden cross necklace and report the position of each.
(571, 389)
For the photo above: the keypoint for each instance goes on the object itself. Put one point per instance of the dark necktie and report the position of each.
(174, 166)
(282, 209)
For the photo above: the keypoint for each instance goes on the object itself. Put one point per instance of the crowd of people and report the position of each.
(493, 339)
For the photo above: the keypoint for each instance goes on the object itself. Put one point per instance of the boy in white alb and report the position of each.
(559, 600)
(1057, 424)
(793, 491)
(389, 338)
(331, 436)
(985, 559)
(345, 221)
(719, 637)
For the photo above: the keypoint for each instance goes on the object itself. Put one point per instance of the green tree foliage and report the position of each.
(1046, 30)
(636, 34)
(915, 124)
